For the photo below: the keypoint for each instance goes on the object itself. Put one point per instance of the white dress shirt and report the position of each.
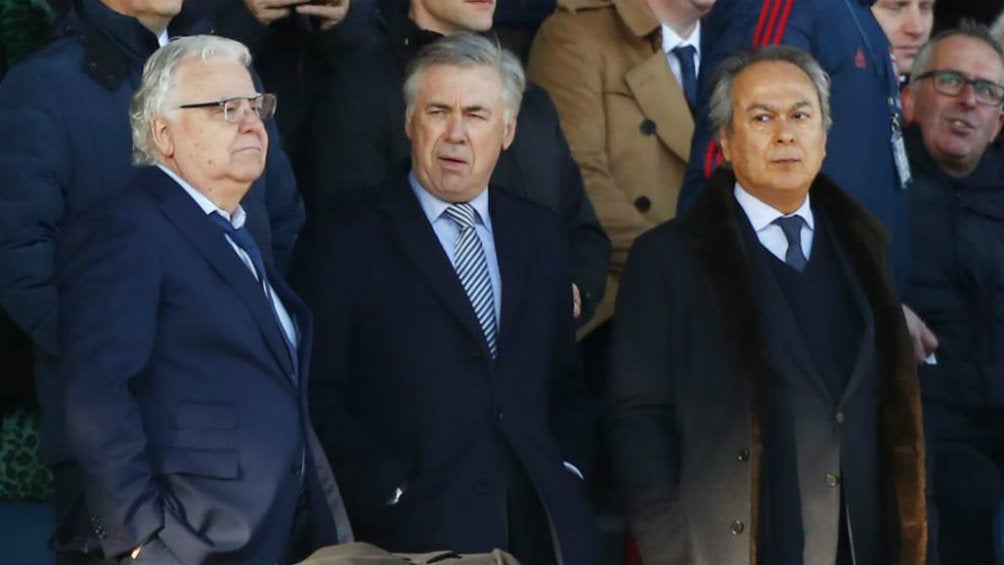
(762, 217)
(670, 41)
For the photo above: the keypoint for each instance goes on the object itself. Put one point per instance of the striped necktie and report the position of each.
(472, 268)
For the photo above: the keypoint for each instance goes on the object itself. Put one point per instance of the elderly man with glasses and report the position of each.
(184, 353)
(956, 282)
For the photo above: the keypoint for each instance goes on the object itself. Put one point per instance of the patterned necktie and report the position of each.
(472, 269)
(792, 228)
(243, 239)
(688, 73)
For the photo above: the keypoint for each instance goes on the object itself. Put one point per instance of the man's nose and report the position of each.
(967, 96)
(783, 132)
(913, 21)
(456, 131)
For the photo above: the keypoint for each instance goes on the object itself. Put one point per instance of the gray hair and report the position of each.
(156, 89)
(467, 50)
(720, 110)
(967, 28)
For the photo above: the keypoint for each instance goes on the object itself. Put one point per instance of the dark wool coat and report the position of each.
(690, 376)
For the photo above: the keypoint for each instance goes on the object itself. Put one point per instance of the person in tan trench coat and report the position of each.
(623, 112)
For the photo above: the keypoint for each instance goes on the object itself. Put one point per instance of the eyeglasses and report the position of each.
(234, 110)
(952, 82)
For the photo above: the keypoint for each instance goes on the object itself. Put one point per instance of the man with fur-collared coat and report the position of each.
(765, 405)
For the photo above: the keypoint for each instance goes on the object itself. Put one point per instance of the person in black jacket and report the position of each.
(355, 138)
(956, 282)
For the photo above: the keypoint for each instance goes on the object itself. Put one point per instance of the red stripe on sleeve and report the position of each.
(784, 22)
(763, 19)
(765, 38)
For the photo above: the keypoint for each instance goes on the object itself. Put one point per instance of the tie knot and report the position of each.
(792, 228)
(463, 214)
(685, 53)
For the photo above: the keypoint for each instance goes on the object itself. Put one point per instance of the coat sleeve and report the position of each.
(367, 469)
(641, 423)
(35, 170)
(568, 63)
(589, 245)
(734, 26)
(110, 296)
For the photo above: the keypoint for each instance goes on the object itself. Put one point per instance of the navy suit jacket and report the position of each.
(184, 408)
(407, 392)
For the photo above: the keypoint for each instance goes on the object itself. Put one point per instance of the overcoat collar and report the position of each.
(116, 45)
(724, 264)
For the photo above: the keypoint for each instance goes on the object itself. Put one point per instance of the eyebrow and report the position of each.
(770, 108)
(471, 108)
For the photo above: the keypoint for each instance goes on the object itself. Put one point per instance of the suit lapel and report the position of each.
(411, 229)
(208, 239)
(661, 99)
(866, 345)
(513, 249)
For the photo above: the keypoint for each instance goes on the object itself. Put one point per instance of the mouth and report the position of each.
(960, 124)
(452, 162)
(786, 161)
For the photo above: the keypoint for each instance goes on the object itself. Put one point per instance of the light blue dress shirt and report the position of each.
(448, 233)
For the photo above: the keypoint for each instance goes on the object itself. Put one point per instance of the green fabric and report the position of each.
(24, 27)
(22, 476)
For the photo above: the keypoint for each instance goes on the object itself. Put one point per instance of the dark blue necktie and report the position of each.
(792, 228)
(243, 239)
(688, 73)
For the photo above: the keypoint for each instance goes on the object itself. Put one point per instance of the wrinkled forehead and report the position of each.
(968, 55)
(216, 78)
(774, 83)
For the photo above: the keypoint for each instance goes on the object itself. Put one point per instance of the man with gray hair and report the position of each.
(956, 280)
(184, 354)
(764, 400)
(449, 378)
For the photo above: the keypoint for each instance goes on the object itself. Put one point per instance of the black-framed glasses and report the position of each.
(947, 81)
(236, 109)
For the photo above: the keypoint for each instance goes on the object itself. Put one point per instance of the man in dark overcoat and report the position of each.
(765, 406)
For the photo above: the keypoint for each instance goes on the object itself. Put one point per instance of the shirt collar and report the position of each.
(762, 215)
(434, 207)
(236, 219)
(670, 40)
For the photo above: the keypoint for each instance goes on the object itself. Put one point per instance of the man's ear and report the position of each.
(509, 134)
(723, 142)
(160, 133)
(407, 123)
(909, 100)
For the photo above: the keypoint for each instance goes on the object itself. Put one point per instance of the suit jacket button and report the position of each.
(744, 455)
(642, 203)
(498, 413)
(482, 487)
(832, 479)
(737, 527)
(647, 127)
(839, 417)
